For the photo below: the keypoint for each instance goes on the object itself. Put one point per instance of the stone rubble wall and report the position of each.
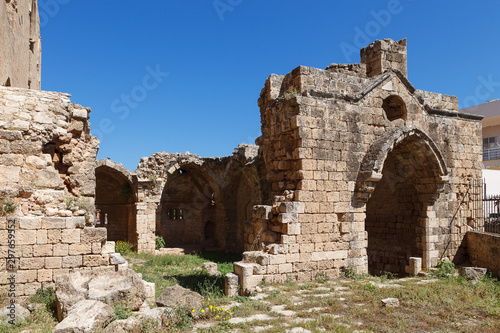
(47, 154)
(20, 54)
(47, 187)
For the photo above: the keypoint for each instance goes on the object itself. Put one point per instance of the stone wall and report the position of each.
(47, 154)
(366, 171)
(484, 250)
(47, 188)
(20, 54)
(188, 200)
(47, 247)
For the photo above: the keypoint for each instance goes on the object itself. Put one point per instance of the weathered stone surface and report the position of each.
(85, 316)
(178, 296)
(124, 287)
(13, 313)
(211, 268)
(20, 55)
(390, 302)
(472, 273)
(122, 326)
(116, 259)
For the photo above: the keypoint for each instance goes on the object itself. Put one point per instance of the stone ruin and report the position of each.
(355, 168)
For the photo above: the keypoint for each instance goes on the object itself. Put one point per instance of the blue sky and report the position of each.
(185, 75)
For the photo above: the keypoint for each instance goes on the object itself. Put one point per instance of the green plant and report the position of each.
(321, 277)
(291, 94)
(123, 247)
(182, 319)
(121, 312)
(211, 288)
(8, 206)
(160, 242)
(45, 296)
(349, 273)
(69, 203)
(444, 269)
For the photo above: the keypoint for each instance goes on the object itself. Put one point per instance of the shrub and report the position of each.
(123, 247)
(444, 269)
(160, 242)
(122, 312)
(45, 296)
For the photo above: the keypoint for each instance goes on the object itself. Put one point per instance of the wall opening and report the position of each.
(396, 213)
(188, 210)
(115, 204)
(394, 107)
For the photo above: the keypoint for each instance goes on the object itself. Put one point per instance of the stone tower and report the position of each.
(20, 44)
(383, 55)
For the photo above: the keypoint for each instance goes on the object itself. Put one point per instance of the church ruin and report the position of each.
(355, 168)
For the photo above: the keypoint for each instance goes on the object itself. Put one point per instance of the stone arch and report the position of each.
(115, 201)
(401, 184)
(190, 208)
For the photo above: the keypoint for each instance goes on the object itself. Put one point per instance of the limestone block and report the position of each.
(91, 235)
(93, 260)
(53, 223)
(44, 275)
(53, 236)
(44, 250)
(72, 261)
(31, 263)
(108, 247)
(86, 316)
(71, 236)
(53, 262)
(47, 178)
(242, 269)
(26, 237)
(9, 174)
(231, 285)
(76, 249)
(41, 236)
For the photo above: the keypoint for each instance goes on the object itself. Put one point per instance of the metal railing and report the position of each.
(491, 154)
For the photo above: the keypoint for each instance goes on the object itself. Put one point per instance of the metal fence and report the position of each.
(487, 216)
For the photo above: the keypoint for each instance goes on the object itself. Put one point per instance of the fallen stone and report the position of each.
(390, 302)
(211, 269)
(85, 316)
(116, 259)
(14, 313)
(472, 273)
(124, 287)
(178, 296)
(122, 325)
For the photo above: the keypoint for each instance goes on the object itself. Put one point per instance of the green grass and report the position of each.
(168, 270)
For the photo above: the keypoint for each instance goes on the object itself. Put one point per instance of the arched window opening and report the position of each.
(394, 108)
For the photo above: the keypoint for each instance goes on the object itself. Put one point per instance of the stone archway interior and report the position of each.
(396, 212)
(115, 204)
(188, 210)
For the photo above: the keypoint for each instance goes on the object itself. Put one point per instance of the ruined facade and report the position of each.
(47, 188)
(188, 200)
(20, 51)
(354, 168)
(366, 170)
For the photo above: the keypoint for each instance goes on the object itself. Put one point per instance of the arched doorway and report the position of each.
(397, 218)
(188, 210)
(115, 204)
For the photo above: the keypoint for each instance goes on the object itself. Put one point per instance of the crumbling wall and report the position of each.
(197, 201)
(20, 54)
(340, 145)
(47, 188)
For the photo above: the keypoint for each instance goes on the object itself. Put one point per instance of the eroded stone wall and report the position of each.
(47, 188)
(20, 52)
(366, 171)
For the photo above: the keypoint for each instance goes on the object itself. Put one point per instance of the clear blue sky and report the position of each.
(210, 60)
